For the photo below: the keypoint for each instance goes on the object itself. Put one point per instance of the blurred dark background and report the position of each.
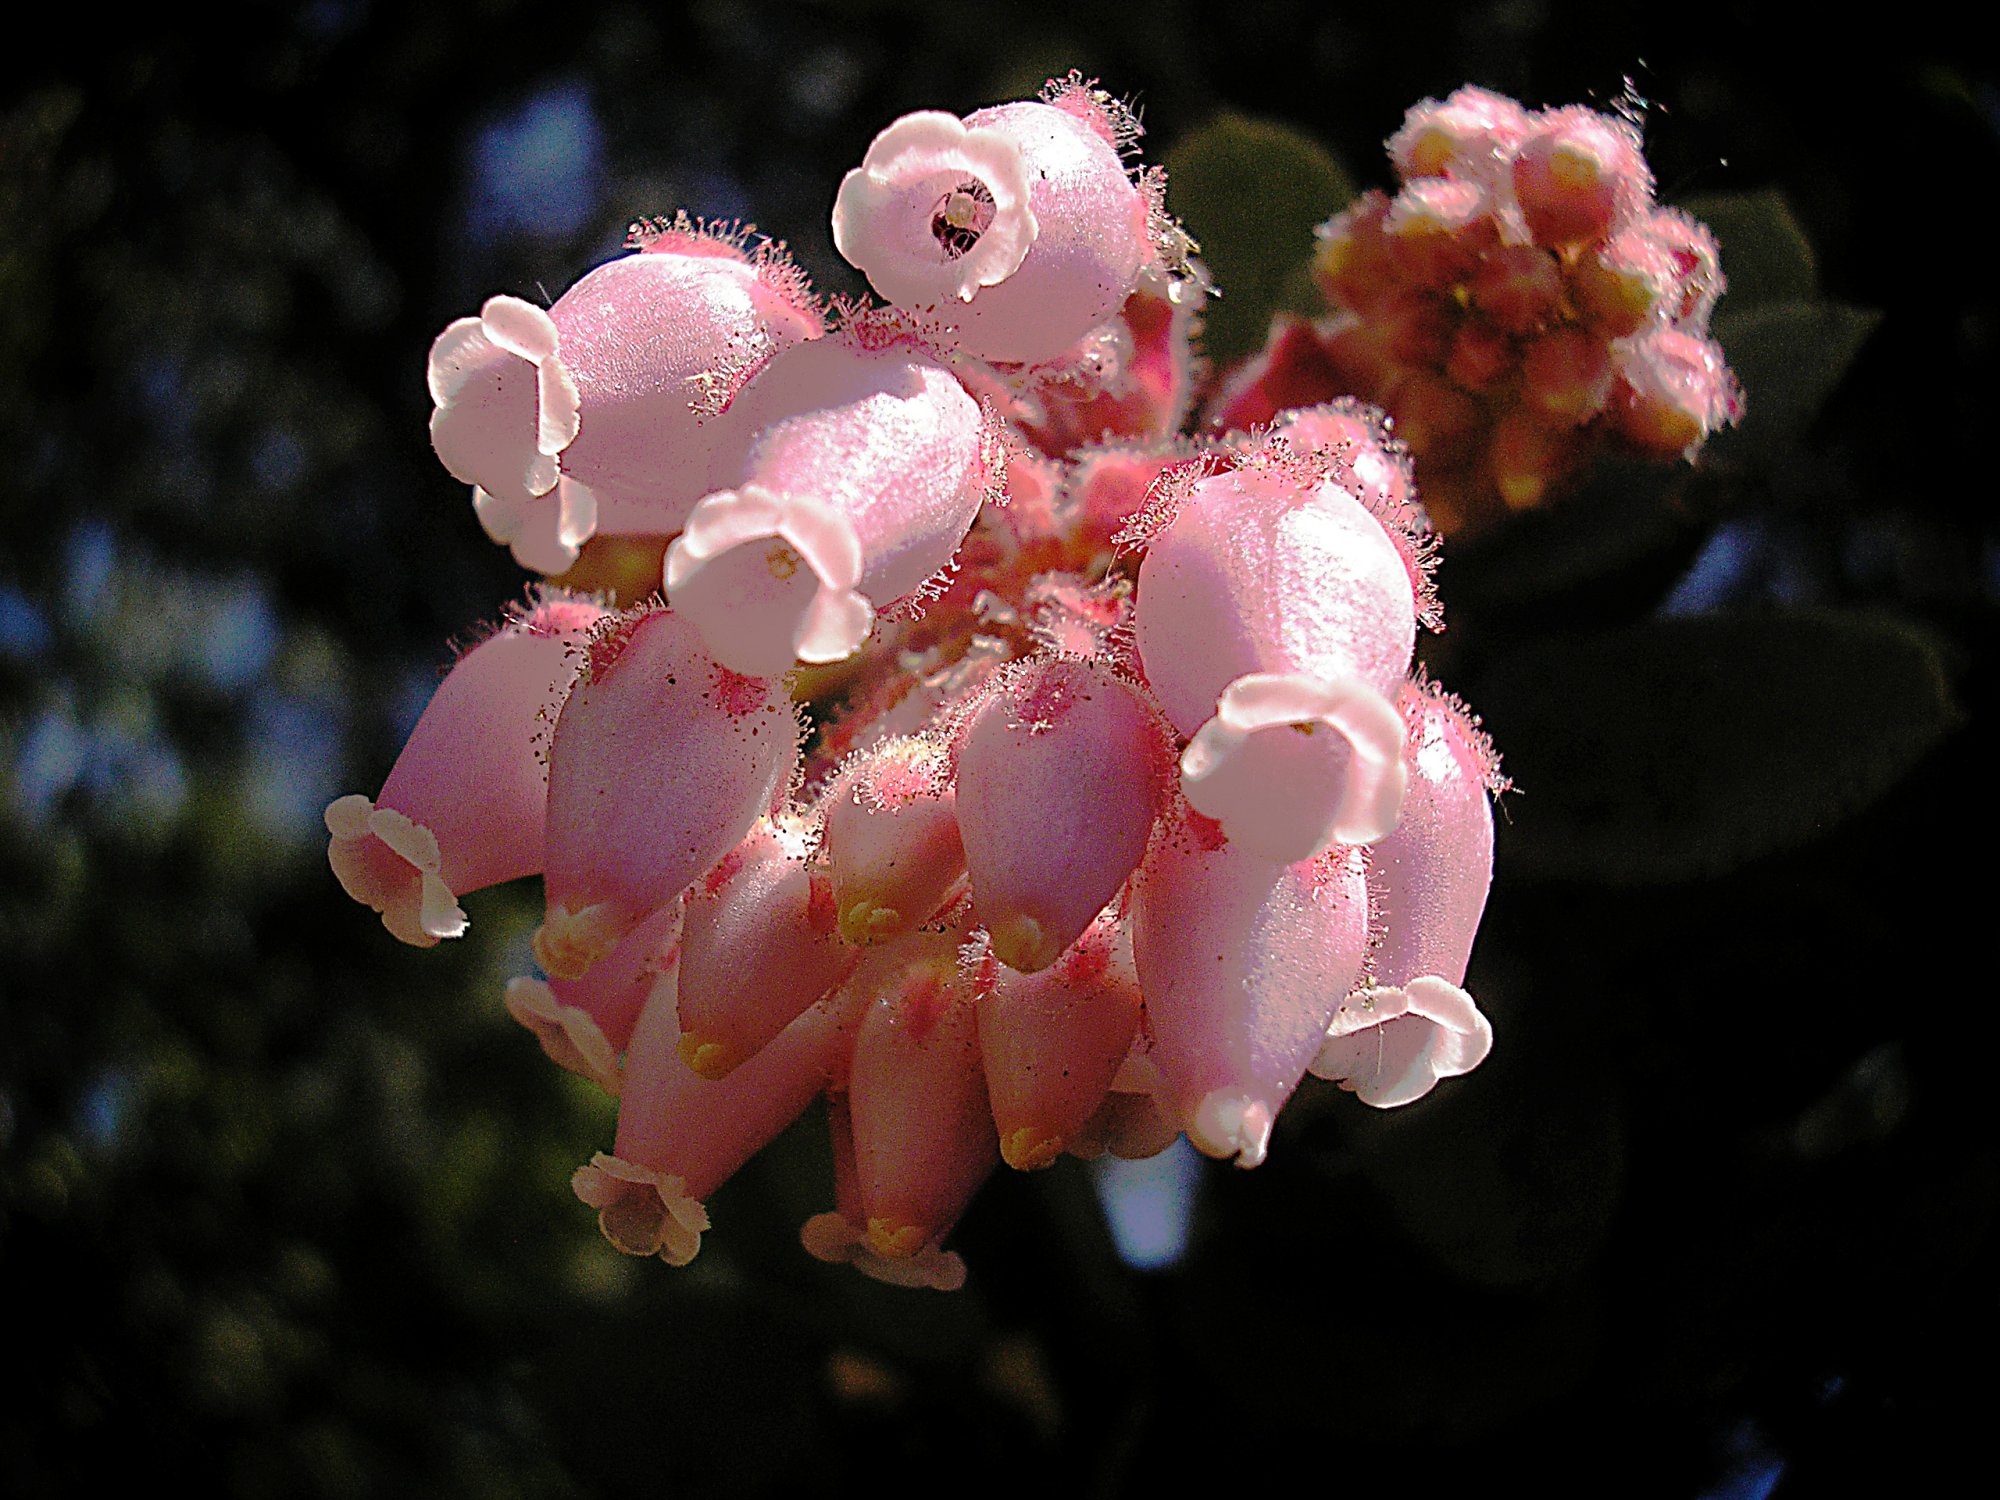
(284, 1206)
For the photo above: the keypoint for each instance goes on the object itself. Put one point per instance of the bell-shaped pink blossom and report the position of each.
(867, 468)
(661, 760)
(1053, 1042)
(1392, 1040)
(1243, 964)
(892, 843)
(645, 338)
(1262, 570)
(1061, 769)
(584, 1024)
(1019, 225)
(681, 1136)
(923, 1137)
(505, 403)
(760, 946)
(463, 806)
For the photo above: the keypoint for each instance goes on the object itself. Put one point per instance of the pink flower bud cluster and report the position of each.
(1519, 304)
(1000, 768)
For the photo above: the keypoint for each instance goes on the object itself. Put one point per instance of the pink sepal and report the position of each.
(1291, 764)
(1391, 1046)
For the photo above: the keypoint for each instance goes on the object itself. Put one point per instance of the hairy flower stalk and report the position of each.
(1118, 811)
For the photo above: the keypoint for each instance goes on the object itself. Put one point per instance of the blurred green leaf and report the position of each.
(1765, 252)
(1687, 747)
(1789, 356)
(1622, 513)
(1252, 192)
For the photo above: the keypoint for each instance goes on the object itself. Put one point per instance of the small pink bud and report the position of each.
(1676, 390)
(1353, 264)
(1243, 963)
(464, 804)
(892, 842)
(1696, 261)
(1630, 281)
(1060, 771)
(1436, 230)
(1567, 374)
(1473, 133)
(1578, 176)
(1053, 1042)
(1482, 358)
(760, 947)
(660, 762)
(1517, 287)
(1526, 456)
(1441, 424)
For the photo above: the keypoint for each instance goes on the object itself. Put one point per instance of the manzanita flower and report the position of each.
(1122, 813)
(422, 842)
(1018, 226)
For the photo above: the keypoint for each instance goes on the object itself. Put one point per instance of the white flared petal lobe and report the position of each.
(1291, 764)
(831, 1238)
(1391, 1046)
(769, 580)
(935, 211)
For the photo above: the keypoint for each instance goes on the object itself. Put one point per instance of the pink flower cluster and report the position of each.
(1015, 776)
(1519, 304)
